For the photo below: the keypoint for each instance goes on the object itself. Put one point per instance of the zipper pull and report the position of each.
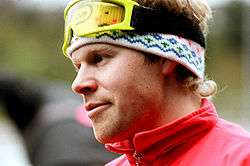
(138, 158)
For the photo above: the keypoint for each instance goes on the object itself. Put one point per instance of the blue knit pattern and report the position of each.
(163, 43)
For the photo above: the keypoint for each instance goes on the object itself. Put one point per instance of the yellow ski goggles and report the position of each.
(85, 17)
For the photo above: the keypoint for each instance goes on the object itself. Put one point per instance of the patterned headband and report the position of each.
(183, 51)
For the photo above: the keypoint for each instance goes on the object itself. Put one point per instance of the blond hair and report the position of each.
(195, 10)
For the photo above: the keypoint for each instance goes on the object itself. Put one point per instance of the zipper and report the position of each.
(138, 157)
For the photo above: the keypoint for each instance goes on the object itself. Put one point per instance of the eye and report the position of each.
(97, 58)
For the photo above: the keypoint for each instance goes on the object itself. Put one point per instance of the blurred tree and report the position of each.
(30, 43)
(234, 22)
(6, 4)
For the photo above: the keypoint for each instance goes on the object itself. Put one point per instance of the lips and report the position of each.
(94, 109)
(91, 106)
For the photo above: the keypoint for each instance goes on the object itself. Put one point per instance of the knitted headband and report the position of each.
(183, 51)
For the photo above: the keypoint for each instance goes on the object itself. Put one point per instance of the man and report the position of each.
(140, 69)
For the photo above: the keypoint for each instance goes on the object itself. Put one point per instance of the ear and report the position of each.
(168, 67)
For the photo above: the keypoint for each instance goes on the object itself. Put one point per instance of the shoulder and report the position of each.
(236, 142)
(232, 131)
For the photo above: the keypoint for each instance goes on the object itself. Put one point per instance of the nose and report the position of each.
(84, 85)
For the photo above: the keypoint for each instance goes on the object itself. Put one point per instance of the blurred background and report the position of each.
(31, 36)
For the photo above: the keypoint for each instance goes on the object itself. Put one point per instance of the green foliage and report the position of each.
(234, 19)
(31, 45)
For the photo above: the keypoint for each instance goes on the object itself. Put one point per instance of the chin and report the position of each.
(107, 131)
(106, 137)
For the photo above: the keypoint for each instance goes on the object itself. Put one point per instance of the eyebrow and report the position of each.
(102, 48)
(92, 49)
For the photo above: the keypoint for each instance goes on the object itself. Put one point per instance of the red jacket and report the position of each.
(198, 139)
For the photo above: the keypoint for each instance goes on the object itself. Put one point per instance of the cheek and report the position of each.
(123, 86)
(117, 78)
(131, 93)
(130, 84)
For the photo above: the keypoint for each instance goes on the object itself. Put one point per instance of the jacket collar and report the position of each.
(186, 130)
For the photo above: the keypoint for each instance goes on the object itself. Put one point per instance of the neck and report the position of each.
(179, 104)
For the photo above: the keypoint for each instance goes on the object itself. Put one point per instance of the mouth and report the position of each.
(94, 108)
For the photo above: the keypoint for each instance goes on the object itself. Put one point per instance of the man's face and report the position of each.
(122, 92)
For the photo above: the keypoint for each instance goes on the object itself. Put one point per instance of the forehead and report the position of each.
(89, 48)
(101, 48)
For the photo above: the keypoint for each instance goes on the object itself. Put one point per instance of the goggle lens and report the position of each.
(86, 18)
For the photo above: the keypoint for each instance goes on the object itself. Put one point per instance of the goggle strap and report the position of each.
(161, 21)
